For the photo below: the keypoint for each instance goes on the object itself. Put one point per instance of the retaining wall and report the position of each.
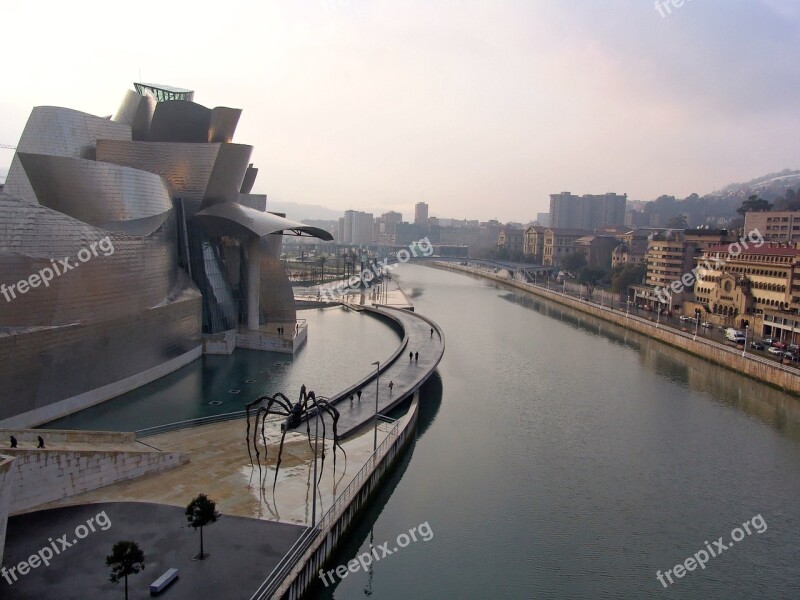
(337, 522)
(774, 374)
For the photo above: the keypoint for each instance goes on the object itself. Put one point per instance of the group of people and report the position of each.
(358, 393)
(413, 356)
(39, 438)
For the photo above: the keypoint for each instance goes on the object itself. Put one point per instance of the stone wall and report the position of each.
(774, 374)
(40, 476)
(5, 497)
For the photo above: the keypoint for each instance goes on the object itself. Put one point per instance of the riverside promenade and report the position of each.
(423, 338)
(780, 376)
(285, 536)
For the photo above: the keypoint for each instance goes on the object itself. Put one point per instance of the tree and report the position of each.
(677, 222)
(573, 262)
(628, 275)
(201, 512)
(754, 204)
(590, 276)
(126, 558)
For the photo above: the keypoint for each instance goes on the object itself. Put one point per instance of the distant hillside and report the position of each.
(767, 187)
(719, 207)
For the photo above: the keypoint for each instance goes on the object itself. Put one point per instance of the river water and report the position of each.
(563, 457)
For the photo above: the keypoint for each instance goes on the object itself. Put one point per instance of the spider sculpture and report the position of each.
(307, 407)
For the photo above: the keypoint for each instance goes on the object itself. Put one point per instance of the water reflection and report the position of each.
(769, 405)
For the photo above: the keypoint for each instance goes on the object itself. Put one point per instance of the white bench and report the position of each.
(160, 584)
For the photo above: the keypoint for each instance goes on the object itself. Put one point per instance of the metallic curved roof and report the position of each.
(230, 218)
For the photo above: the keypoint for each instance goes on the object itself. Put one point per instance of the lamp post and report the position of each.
(377, 364)
(658, 316)
(316, 443)
(696, 325)
(744, 346)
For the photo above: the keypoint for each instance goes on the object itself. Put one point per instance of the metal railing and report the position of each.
(343, 499)
(283, 569)
(733, 351)
(198, 422)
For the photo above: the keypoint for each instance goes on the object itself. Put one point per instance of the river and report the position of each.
(562, 457)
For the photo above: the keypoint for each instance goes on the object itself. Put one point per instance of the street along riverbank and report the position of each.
(783, 377)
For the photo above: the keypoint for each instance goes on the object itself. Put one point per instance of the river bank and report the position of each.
(776, 375)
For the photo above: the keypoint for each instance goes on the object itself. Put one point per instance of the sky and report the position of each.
(481, 108)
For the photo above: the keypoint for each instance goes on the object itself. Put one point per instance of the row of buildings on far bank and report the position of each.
(749, 277)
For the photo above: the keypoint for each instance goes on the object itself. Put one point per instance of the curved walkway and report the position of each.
(422, 336)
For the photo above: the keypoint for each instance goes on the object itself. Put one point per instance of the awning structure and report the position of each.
(230, 218)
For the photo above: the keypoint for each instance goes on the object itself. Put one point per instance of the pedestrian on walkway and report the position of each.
(13, 442)
(431, 332)
(416, 357)
(391, 385)
(41, 442)
(351, 399)
(358, 393)
(410, 356)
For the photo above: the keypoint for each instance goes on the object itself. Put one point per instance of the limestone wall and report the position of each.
(40, 476)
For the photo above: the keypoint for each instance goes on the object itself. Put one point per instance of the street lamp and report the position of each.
(744, 346)
(696, 325)
(316, 444)
(658, 315)
(377, 364)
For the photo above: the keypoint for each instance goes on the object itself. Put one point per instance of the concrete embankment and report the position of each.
(769, 372)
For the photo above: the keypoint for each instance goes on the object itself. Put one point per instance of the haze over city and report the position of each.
(482, 109)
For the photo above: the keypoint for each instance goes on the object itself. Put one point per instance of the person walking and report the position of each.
(416, 357)
(13, 442)
(431, 332)
(391, 385)
(410, 356)
(351, 399)
(41, 442)
(358, 393)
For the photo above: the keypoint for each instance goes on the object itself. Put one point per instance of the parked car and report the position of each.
(775, 351)
(793, 348)
(734, 335)
(686, 318)
(790, 355)
(706, 325)
(756, 346)
(769, 341)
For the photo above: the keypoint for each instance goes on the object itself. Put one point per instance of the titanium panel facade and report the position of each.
(59, 132)
(96, 193)
(92, 294)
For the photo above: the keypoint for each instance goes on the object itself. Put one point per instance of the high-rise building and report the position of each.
(588, 211)
(356, 227)
(421, 213)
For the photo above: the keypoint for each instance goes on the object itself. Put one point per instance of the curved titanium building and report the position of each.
(126, 245)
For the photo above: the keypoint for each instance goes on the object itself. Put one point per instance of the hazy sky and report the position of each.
(481, 108)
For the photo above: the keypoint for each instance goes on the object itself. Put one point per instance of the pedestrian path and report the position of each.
(424, 339)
